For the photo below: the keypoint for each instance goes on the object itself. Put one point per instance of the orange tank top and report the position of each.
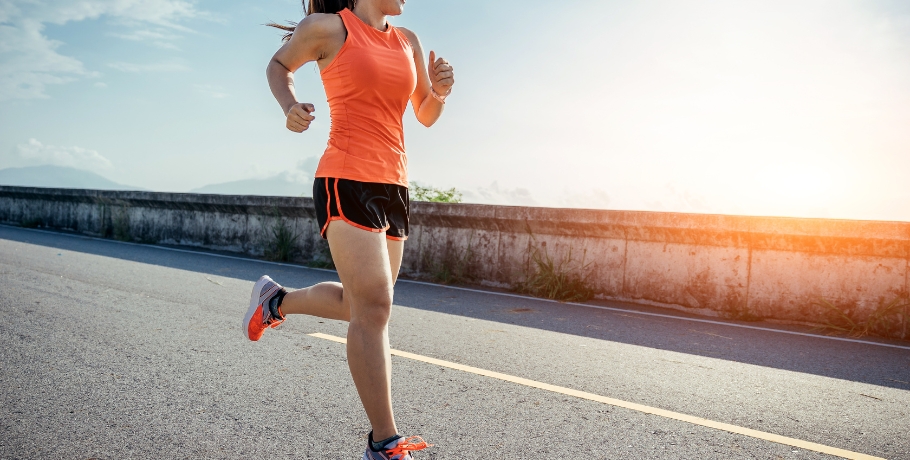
(368, 85)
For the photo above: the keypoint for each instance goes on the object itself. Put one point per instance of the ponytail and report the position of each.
(315, 6)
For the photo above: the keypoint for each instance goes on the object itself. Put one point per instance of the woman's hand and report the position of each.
(442, 76)
(299, 117)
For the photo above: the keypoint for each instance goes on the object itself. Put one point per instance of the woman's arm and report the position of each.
(438, 76)
(314, 39)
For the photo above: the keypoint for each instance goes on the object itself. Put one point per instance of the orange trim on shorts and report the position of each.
(355, 224)
(395, 238)
(328, 209)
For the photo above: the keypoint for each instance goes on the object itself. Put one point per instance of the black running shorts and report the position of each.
(366, 205)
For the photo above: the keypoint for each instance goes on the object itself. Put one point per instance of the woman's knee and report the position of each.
(373, 308)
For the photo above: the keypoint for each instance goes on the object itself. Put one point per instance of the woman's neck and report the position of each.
(370, 14)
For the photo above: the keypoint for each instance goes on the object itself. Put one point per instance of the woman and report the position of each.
(370, 70)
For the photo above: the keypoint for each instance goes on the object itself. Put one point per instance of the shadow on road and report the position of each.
(888, 367)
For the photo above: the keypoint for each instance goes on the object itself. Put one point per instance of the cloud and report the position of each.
(568, 198)
(592, 199)
(160, 38)
(164, 13)
(685, 200)
(301, 173)
(36, 153)
(29, 61)
(494, 194)
(308, 164)
(143, 68)
(212, 91)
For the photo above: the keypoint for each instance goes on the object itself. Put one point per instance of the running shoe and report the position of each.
(260, 317)
(397, 449)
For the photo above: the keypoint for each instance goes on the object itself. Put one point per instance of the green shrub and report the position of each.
(433, 194)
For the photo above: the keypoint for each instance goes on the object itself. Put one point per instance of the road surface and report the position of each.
(112, 350)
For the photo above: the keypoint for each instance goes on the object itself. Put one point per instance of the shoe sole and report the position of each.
(254, 304)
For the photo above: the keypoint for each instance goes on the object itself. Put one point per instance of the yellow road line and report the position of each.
(628, 405)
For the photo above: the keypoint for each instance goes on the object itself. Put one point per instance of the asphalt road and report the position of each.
(111, 350)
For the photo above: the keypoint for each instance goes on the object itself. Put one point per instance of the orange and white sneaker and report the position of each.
(396, 448)
(264, 311)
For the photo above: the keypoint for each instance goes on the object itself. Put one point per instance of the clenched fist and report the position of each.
(299, 117)
(442, 76)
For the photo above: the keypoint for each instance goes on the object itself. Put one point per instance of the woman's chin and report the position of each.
(396, 10)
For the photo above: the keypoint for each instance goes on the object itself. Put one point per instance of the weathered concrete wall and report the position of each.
(239, 224)
(740, 266)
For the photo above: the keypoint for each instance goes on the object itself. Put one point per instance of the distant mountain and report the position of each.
(65, 177)
(59, 177)
(280, 185)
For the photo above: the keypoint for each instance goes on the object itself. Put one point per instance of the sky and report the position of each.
(761, 108)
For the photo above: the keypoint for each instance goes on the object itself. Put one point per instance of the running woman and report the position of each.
(370, 71)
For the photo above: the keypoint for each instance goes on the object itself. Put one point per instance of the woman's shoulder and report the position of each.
(410, 36)
(321, 24)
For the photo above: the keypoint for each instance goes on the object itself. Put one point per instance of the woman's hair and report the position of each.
(314, 6)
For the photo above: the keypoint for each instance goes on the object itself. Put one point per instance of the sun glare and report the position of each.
(754, 109)
(790, 185)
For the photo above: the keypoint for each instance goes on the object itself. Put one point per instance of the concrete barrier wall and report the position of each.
(736, 266)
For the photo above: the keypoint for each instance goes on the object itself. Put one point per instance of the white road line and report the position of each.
(763, 435)
(504, 294)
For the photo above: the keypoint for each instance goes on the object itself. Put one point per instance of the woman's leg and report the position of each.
(396, 251)
(364, 266)
(327, 300)
(361, 258)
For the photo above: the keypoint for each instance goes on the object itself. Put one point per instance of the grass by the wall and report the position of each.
(453, 267)
(739, 311)
(322, 257)
(281, 241)
(565, 279)
(31, 223)
(121, 225)
(888, 319)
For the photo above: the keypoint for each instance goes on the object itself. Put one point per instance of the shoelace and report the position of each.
(272, 321)
(414, 443)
